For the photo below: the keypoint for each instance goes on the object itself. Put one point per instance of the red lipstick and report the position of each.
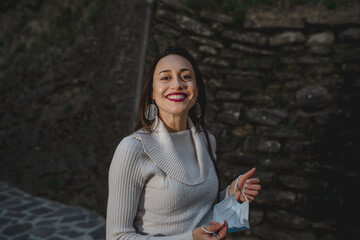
(177, 97)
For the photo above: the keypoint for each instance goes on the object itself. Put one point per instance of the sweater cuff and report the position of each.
(224, 194)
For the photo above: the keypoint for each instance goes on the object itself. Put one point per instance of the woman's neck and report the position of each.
(175, 123)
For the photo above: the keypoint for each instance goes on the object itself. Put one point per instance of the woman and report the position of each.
(162, 179)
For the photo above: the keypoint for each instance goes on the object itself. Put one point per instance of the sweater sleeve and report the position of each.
(224, 193)
(213, 144)
(126, 180)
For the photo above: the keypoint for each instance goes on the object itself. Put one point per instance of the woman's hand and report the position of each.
(252, 187)
(220, 230)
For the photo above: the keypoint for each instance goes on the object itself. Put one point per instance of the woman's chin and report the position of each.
(177, 113)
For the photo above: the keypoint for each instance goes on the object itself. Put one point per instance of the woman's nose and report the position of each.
(178, 83)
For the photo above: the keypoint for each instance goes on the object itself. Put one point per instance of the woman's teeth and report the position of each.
(180, 96)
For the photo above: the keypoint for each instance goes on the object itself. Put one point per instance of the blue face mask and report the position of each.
(236, 214)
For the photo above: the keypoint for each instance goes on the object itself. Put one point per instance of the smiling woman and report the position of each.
(163, 178)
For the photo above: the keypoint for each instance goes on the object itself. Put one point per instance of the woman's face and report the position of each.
(174, 86)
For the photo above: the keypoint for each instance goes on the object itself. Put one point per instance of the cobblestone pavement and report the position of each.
(25, 217)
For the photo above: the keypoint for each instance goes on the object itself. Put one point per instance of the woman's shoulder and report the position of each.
(131, 142)
(130, 153)
(212, 140)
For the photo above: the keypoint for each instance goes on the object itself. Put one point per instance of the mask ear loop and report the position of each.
(242, 191)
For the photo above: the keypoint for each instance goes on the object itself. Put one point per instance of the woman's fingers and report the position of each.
(250, 198)
(223, 231)
(251, 190)
(256, 187)
(207, 232)
(253, 180)
(251, 193)
(214, 227)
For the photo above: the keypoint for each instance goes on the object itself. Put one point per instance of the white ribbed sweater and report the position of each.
(152, 193)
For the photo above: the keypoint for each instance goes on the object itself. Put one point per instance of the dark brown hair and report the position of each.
(146, 99)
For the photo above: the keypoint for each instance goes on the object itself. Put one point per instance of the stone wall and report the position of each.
(283, 88)
(67, 84)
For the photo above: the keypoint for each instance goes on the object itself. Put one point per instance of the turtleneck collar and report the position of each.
(160, 149)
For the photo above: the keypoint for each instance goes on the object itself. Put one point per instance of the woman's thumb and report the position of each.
(246, 176)
(214, 227)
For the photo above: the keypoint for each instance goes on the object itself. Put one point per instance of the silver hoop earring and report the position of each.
(151, 111)
(197, 109)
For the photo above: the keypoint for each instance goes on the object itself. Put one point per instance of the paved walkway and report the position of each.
(25, 217)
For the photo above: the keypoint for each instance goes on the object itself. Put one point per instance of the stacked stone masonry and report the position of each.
(282, 87)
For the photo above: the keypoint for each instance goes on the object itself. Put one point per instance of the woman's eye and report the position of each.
(165, 78)
(186, 77)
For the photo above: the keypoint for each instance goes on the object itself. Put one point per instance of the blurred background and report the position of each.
(283, 91)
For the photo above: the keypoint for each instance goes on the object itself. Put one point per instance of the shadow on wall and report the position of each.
(67, 94)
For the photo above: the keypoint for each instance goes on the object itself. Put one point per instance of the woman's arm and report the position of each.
(224, 193)
(126, 180)
(252, 184)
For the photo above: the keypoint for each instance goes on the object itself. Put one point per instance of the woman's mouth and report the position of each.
(177, 97)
